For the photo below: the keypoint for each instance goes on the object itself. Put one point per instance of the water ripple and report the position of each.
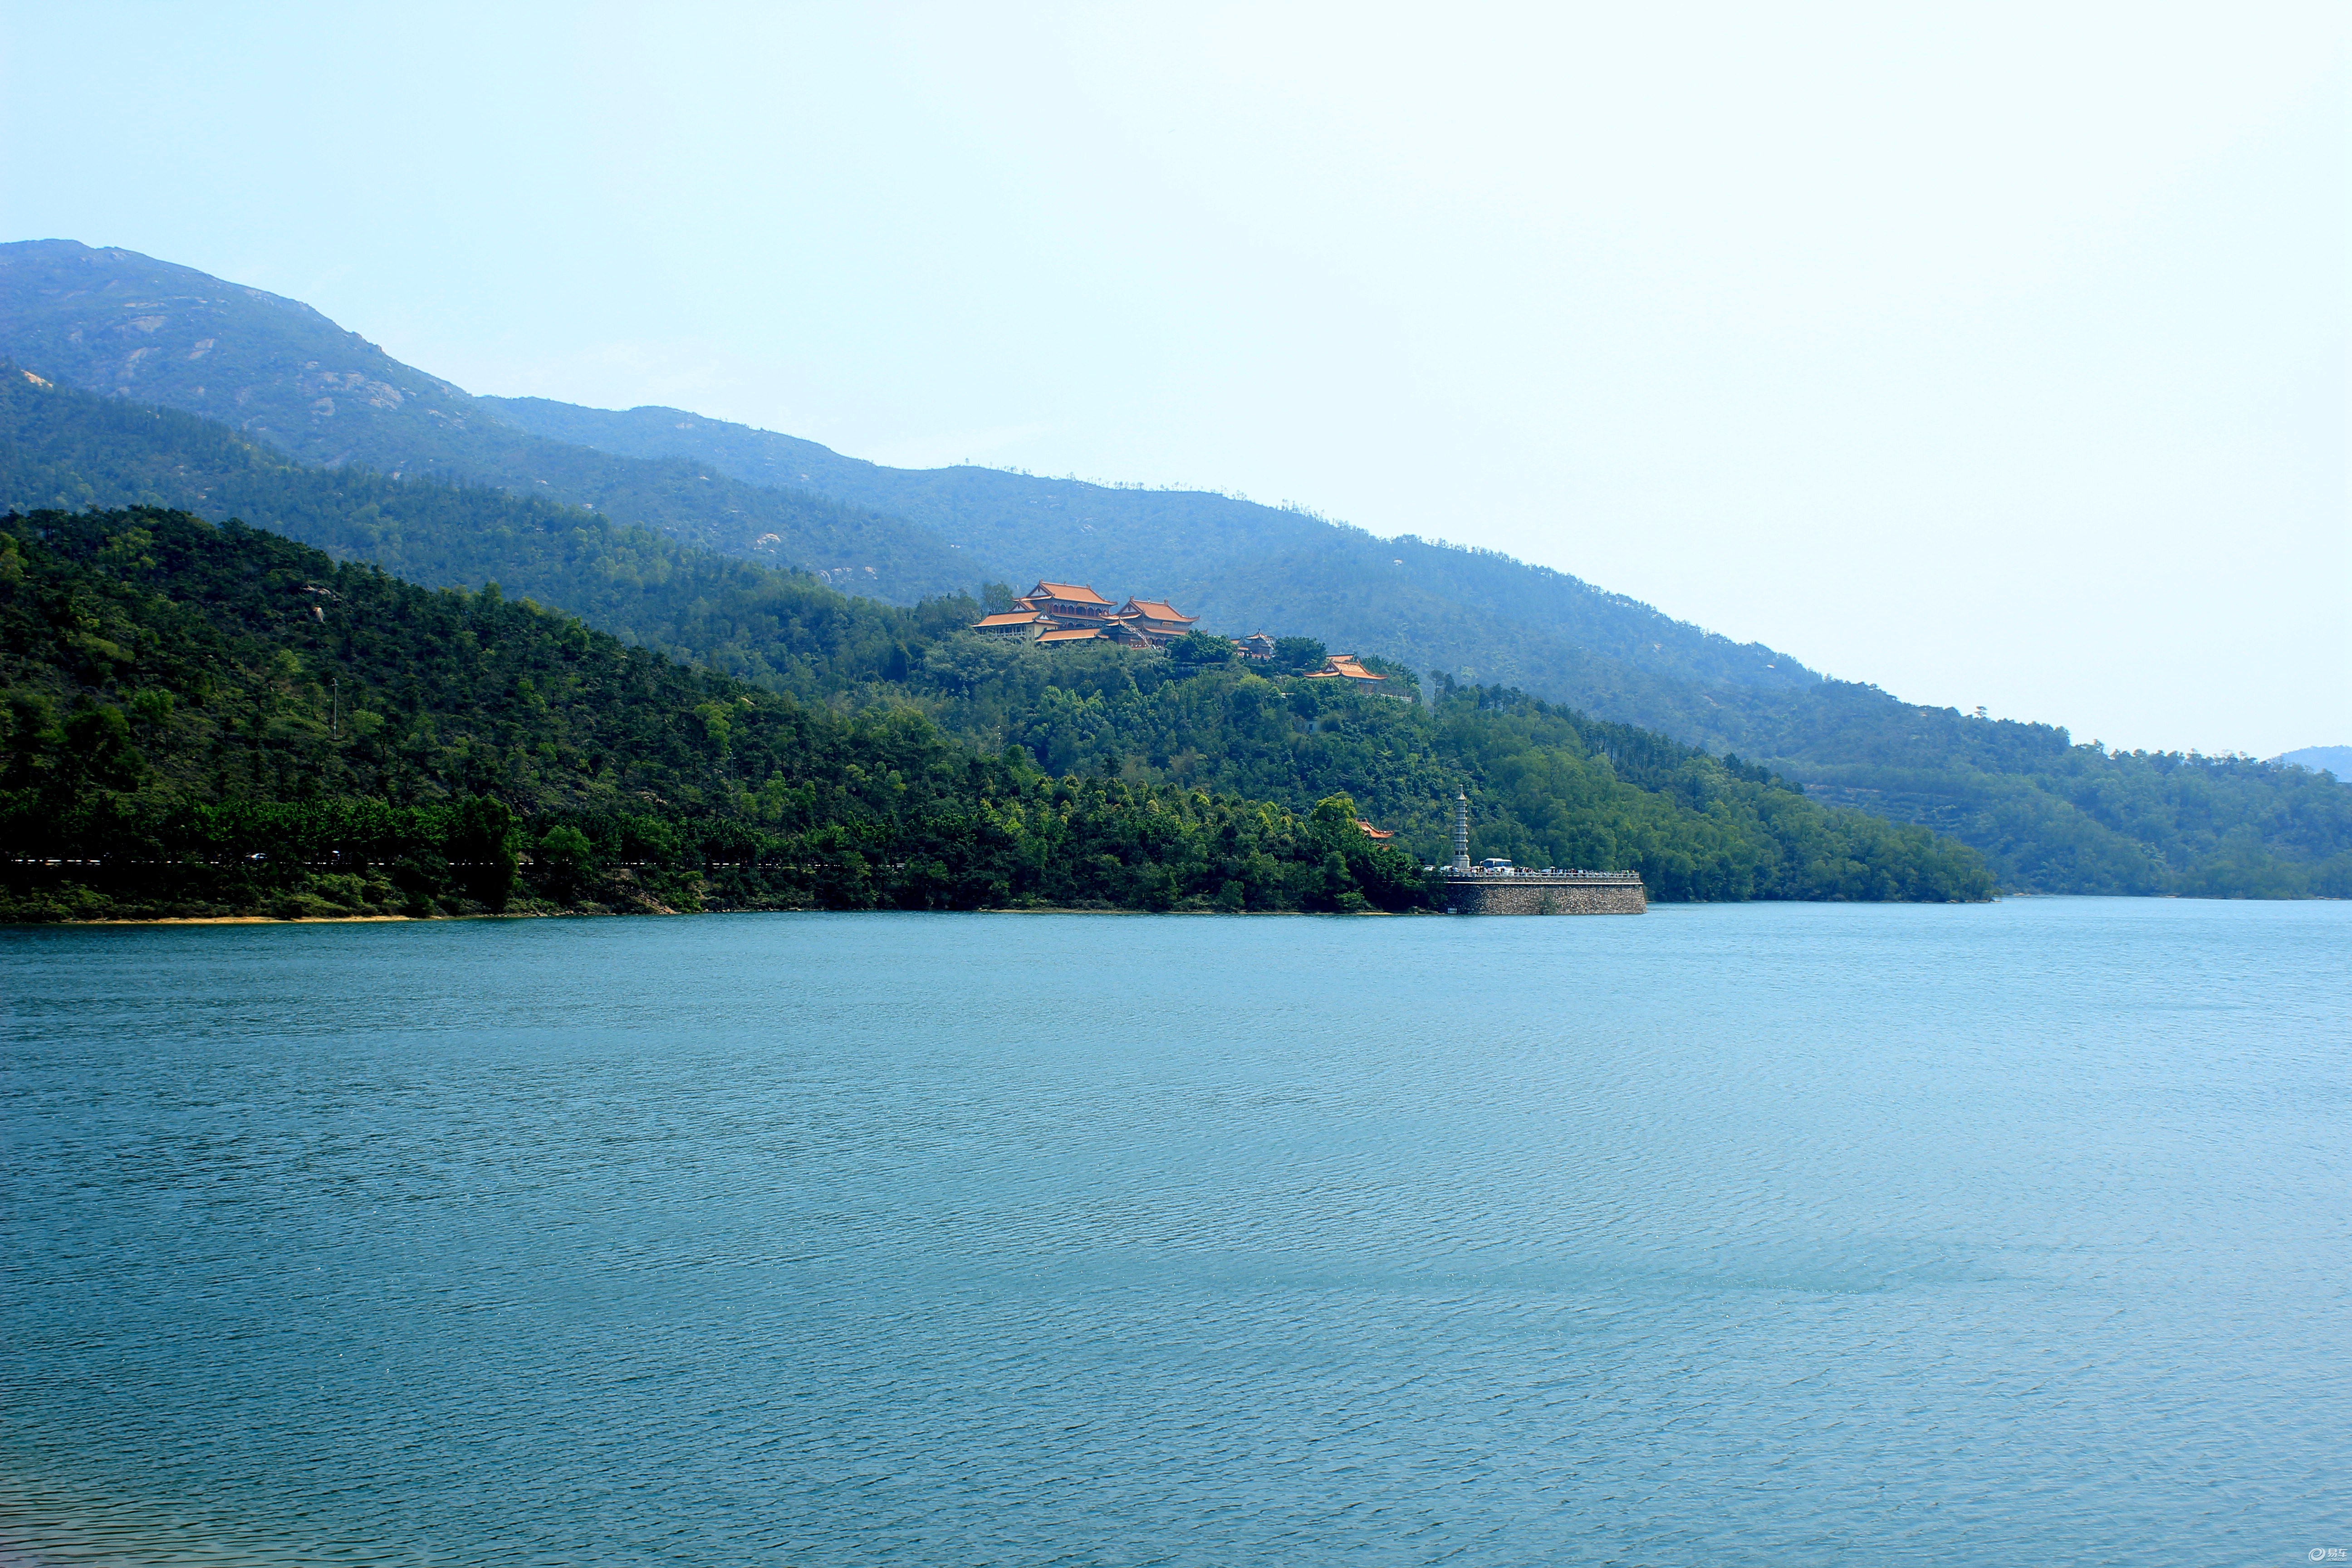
(2007, 1235)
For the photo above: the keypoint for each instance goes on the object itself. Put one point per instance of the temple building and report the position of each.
(1257, 645)
(1070, 605)
(1156, 619)
(1026, 625)
(1343, 667)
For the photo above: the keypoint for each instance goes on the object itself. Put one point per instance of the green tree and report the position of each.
(481, 850)
(1295, 655)
(565, 862)
(1197, 649)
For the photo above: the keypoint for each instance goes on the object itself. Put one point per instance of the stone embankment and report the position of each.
(1517, 892)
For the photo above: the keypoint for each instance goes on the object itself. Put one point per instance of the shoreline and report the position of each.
(271, 919)
(664, 914)
(1041, 909)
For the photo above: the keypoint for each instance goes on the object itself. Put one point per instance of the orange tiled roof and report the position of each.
(1158, 610)
(1371, 832)
(1008, 618)
(1068, 592)
(1075, 634)
(1343, 663)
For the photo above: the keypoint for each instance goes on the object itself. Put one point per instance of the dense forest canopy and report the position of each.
(203, 719)
(182, 697)
(1553, 788)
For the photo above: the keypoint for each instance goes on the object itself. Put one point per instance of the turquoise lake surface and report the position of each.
(2007, 1234)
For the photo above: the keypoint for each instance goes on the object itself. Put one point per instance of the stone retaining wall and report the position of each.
(1536, 894)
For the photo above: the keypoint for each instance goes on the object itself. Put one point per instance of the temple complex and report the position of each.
(1053, 613)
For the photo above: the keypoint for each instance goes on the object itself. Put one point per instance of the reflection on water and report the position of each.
(2007, 1234)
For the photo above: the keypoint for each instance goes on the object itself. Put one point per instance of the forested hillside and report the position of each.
(199, 720)
(2050, 816)
(120, 324)
(1553, 787)
(183, 694)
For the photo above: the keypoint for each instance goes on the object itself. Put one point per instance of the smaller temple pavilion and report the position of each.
(1061, 634)
(1156, 618)
(1343, 667)
(1027, 625)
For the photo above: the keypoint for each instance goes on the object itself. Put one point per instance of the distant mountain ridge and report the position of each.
(2336, 760)
(1235, 562)
(276, 370)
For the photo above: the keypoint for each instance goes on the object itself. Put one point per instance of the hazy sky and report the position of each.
(1996, 355)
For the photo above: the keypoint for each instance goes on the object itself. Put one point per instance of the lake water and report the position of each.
(2014, 1234)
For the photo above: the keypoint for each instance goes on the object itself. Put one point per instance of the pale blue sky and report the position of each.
(1994, 355)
